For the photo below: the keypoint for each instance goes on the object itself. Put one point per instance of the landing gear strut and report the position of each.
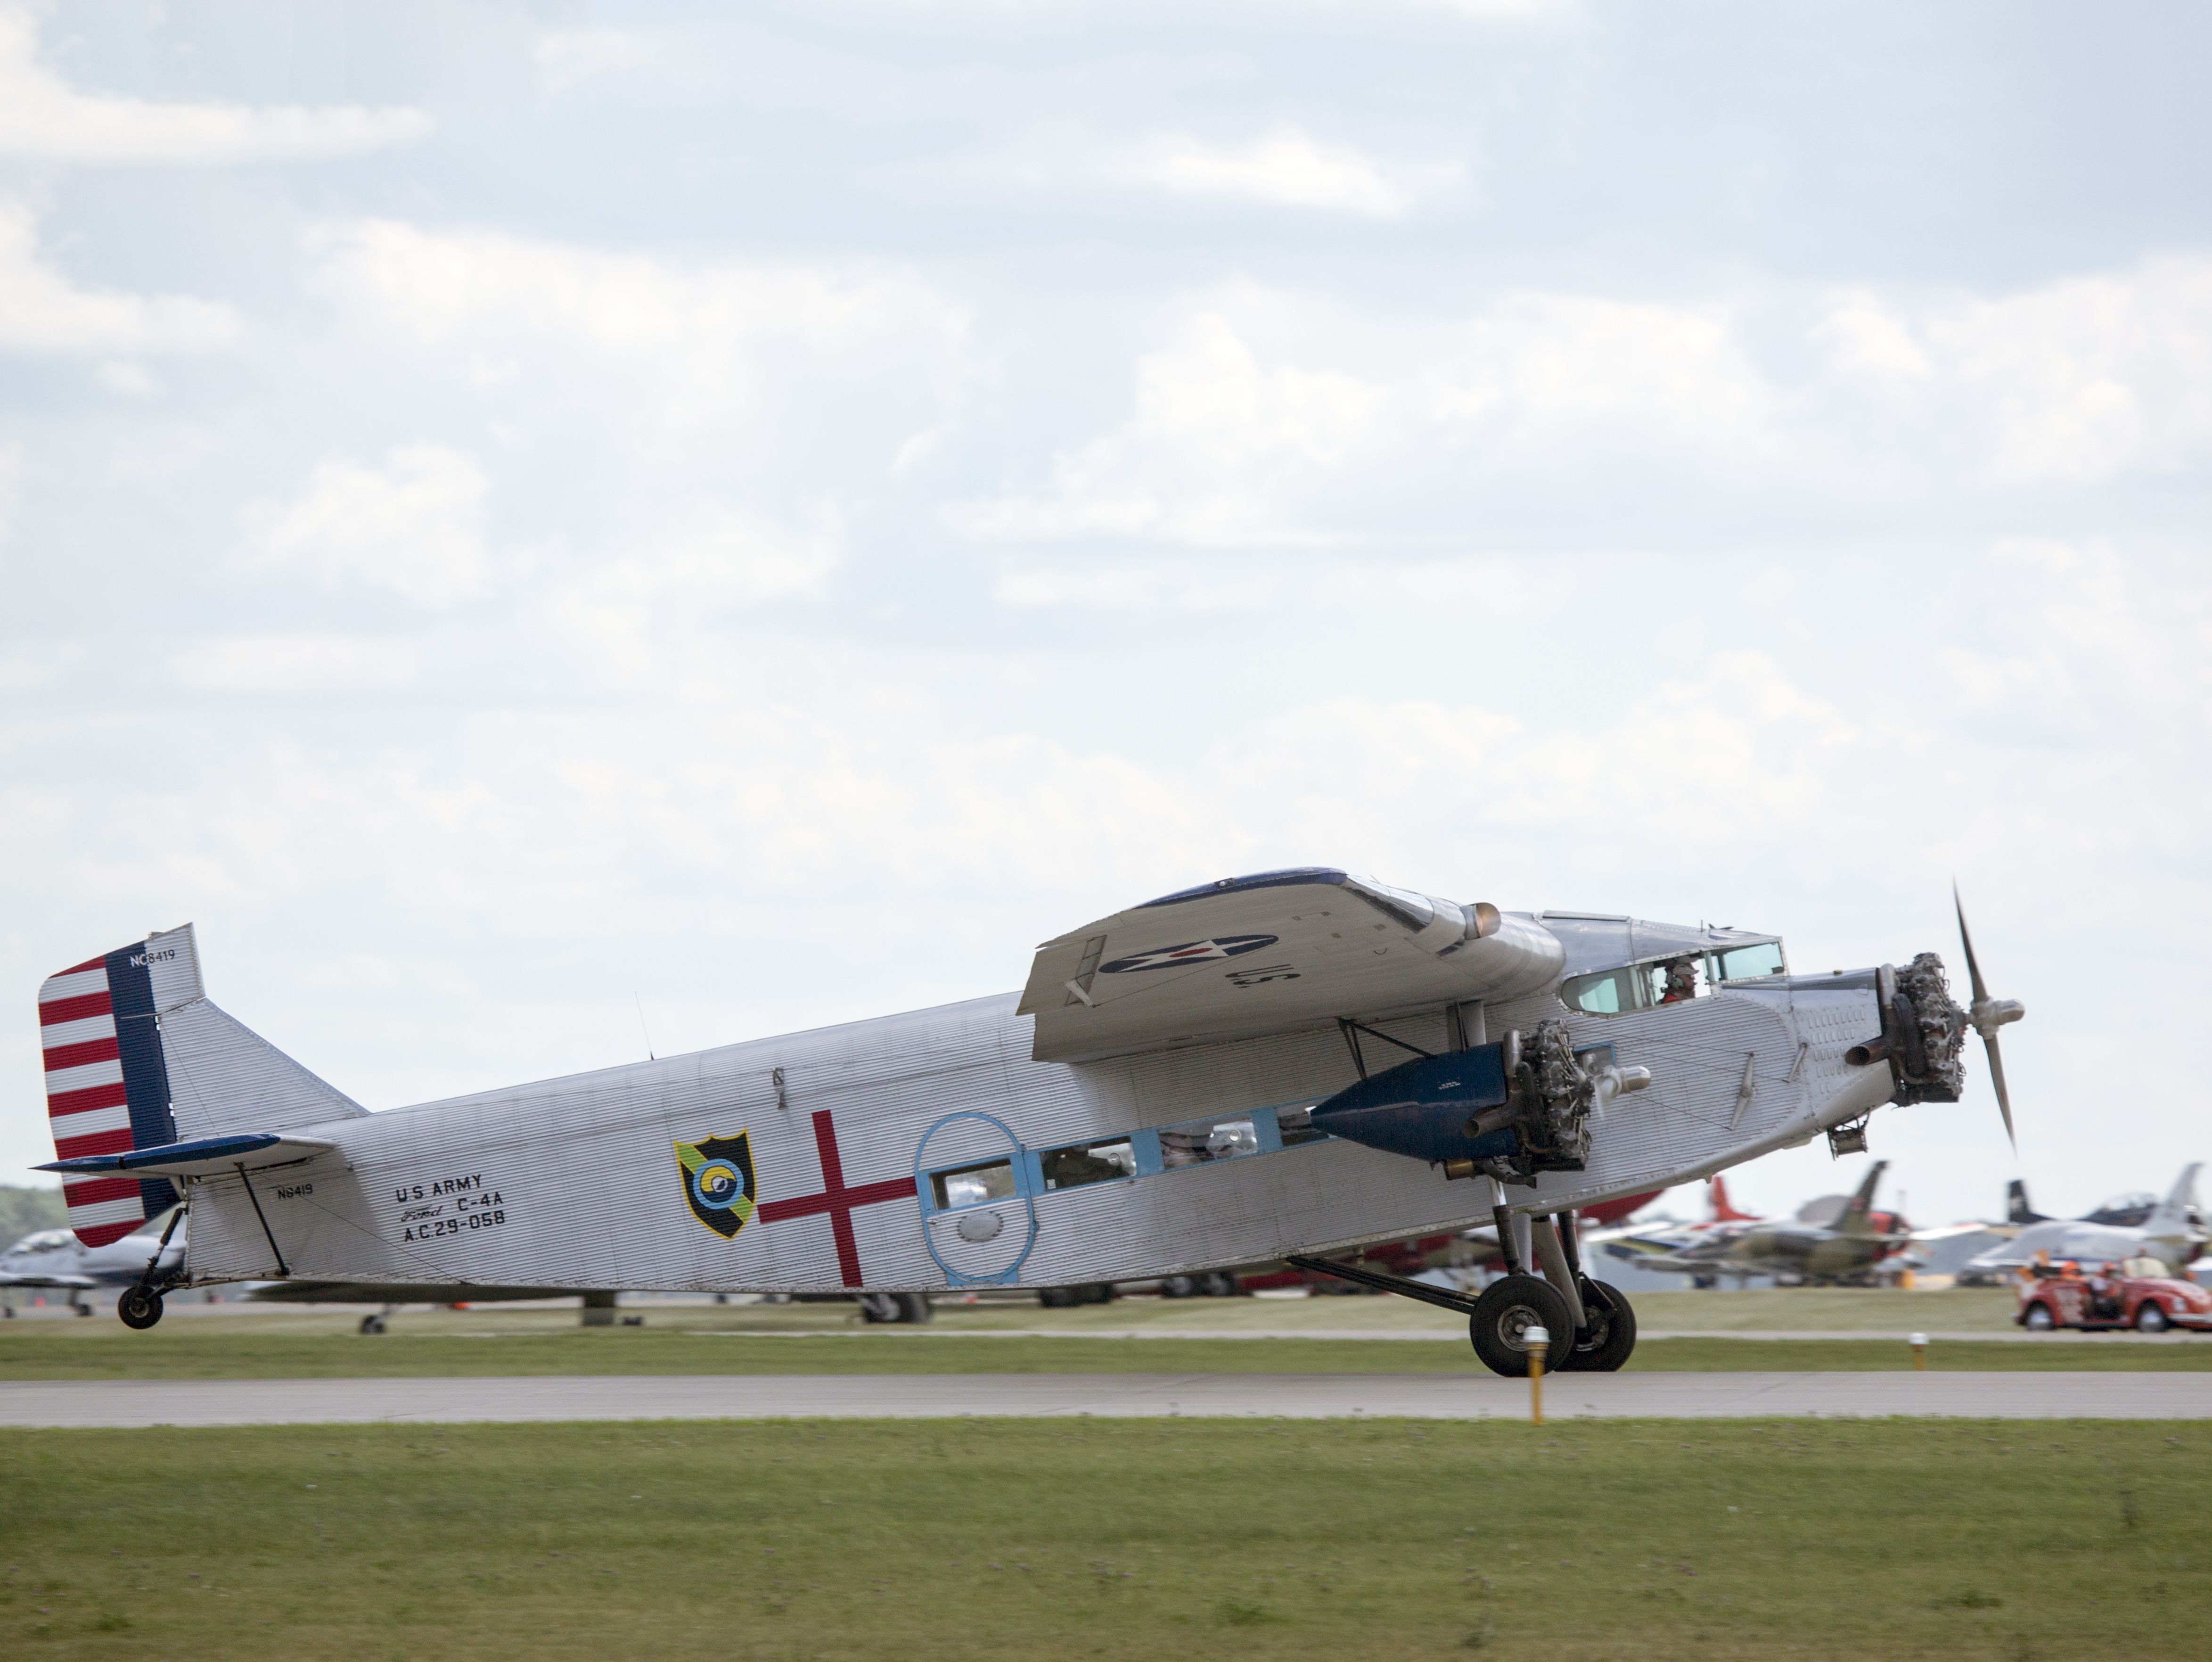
(140, 1306)
(1499, 1318)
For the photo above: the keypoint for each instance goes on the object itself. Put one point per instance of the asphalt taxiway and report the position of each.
(2027, 1395)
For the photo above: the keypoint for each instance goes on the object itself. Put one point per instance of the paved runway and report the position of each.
(1114, 1395)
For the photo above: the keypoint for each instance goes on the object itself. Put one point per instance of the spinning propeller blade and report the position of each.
(1988, 1014)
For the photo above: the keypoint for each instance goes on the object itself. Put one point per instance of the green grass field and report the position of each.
(1238, 1336)
(271, 1348)
(1114, 1539)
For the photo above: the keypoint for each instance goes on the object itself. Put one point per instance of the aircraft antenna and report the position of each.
(642, 1027)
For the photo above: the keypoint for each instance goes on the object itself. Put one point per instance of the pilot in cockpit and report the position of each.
(1681, 981)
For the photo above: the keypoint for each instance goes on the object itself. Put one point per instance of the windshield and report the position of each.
(1676, 980)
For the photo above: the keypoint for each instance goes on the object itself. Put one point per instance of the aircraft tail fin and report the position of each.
(1856, 1218)
(1723, 1212)
(137, 1058)
(2017, 1210)
(2176, 1213)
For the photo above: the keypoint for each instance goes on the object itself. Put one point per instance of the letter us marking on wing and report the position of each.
(1190, 951)
(717, 1173)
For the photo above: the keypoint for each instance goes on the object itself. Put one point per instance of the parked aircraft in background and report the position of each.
(2173, 1234)
(55, 1260)
(1819, 1244)
(1664, 1238)
(2129, 1211)
(1203, 1079)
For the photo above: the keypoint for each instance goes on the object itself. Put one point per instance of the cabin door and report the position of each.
(973, 1178)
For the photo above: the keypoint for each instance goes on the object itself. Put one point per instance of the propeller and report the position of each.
(1986, 1015)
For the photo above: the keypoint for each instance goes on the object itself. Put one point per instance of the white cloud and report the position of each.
(1288, 168)
(41, 312)
(2080, 381)
(295, 663)
(414, 527)
(44, 118)
(697, 331)
(565, 59)
(626, 611)
(1283, 167)
(1232, 438)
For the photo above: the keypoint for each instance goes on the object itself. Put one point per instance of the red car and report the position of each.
(2054, 1298)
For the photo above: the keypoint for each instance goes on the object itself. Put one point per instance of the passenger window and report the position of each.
(1295, 1126)
(1747, 963)
(1208, 1140)
(1088, 1162)
(972, 1185)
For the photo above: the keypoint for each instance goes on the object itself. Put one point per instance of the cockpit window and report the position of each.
(1748, 963)
(1635, 987)
(1607, 993)
(1662, 981)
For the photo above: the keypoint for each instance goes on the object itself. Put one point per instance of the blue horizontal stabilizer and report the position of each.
(170, 1153)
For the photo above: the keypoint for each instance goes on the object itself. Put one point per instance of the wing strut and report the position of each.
(283, 1271)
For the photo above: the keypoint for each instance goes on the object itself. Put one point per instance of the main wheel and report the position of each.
(878, 1307)
(139, 1306)
(1508, 1308)
(2150, 1318)
(1611, 1337)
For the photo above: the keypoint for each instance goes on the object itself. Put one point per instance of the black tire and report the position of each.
(1508, 1308)
(878, 1307)
(82, 1308)
(2038, 1319)
(2150, 1318)
(1611, 1339)
(914, 1308)
(371, 1325)
(1216, 1285)
(1056, 1298)
(139, 1307)
(1178, 1287)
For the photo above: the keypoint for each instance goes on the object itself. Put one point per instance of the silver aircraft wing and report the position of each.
(1269, 953)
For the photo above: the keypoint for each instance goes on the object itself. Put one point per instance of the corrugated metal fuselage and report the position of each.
(577, 1182)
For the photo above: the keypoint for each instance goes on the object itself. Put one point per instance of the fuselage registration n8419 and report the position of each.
(1264, 1068)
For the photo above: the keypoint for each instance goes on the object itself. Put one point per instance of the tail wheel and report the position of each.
(139, 1306)
(2150, 1318)
(1508, 1308)
(1611, 1339)
(2039, 1318)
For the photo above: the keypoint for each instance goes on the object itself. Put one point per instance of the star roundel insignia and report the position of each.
(1191, 952)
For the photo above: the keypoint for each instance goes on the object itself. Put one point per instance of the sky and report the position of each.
(547, 531)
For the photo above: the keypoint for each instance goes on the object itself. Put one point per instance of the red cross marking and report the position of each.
(836, 1199)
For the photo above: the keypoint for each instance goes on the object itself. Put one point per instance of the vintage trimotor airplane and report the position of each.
(1271, 1066)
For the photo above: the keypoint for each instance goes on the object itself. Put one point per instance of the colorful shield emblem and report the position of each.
(718, 1181)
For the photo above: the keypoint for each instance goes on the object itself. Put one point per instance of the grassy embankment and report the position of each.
(981, 1539)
